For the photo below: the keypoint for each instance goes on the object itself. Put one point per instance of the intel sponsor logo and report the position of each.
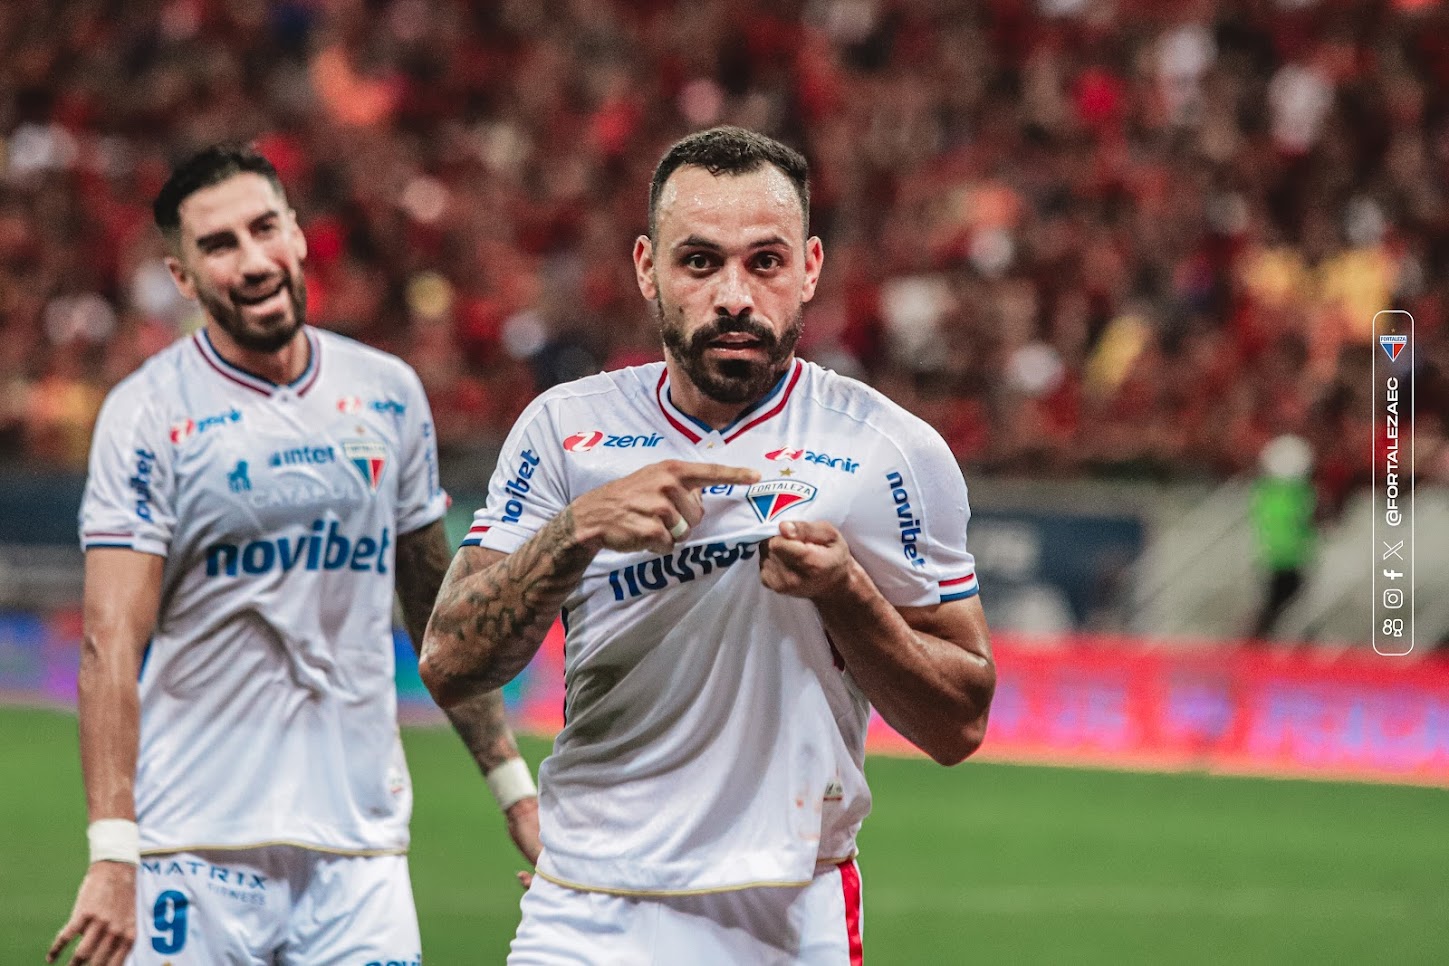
(906, 521)
(303, 456)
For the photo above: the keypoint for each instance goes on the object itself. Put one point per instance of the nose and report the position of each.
(732, 295)
(255, 262)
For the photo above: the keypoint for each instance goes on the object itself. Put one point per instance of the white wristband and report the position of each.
(511, 782)
(115, 840)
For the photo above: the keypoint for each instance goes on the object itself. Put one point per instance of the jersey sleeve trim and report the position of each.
(154, 548)
(959, 588)
(475, 536)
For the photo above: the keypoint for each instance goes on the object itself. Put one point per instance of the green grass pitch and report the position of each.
(984, 863)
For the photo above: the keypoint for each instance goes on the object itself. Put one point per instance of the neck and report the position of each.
(284, 366)
(691, 400)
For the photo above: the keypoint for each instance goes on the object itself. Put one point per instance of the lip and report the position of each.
(740, 352)
(734, 341)
(257, 302)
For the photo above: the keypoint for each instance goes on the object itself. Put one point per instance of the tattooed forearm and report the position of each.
(480, 722)
(494, 610)
(422, 562)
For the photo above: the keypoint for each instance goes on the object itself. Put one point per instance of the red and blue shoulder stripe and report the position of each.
(959, 588)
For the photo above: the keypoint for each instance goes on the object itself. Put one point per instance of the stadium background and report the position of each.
(1112, 250)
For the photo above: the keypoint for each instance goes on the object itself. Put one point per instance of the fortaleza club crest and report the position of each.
(1393, 345)
(370, 458)
(771, 498)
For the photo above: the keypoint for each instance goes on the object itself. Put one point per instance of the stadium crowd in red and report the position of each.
(1078, 236)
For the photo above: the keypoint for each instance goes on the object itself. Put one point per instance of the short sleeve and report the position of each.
(420, 496)
(907, 526)
(526, 490)
(129, 496)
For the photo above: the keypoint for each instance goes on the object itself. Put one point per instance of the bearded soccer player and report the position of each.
(749, 551)
(257, 493)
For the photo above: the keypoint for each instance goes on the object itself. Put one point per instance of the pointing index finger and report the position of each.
(714, 474)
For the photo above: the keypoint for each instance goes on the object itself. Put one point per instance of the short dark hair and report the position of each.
(207, 167)
(731, 150)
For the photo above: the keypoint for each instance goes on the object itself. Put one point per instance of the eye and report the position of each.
(698, 261)
(768, 261)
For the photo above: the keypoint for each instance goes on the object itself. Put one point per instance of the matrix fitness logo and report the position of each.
(1393, 484)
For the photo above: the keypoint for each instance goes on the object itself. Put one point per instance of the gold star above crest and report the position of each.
(787, 472)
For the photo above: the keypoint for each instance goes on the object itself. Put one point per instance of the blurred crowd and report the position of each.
(1081, 237)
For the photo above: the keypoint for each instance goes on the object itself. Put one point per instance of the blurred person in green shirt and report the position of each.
(1284, 531)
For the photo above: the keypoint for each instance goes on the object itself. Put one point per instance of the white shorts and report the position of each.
(275, 906)
(817, 925)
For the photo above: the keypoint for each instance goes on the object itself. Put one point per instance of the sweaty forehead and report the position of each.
(237, 200)
(693, 201)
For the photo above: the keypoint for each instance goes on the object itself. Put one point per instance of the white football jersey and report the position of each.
(712, 738)
(268, 709)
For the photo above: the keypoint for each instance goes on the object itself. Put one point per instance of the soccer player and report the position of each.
(257, 493)
(749, 551)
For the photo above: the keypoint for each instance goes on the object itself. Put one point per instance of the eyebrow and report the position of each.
(696, 241)
(214, 238)
(224, 234)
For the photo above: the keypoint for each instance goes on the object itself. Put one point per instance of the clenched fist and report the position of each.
(808, 559)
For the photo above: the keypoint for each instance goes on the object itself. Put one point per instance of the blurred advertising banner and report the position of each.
(1117, 702)
(1086, 700)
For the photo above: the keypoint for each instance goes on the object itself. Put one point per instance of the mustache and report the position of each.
(284, 278)
(726, 324)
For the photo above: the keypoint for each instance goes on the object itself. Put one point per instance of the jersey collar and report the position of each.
(767, 408)
(257, 383)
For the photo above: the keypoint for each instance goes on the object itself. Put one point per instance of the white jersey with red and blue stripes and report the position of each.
(268, 709)
(713, 739)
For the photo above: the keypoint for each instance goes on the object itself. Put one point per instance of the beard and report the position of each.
(730, 381)
(265, 334)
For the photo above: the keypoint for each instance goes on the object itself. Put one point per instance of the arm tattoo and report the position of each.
(481, 723)
(422, 560)
(490, 620)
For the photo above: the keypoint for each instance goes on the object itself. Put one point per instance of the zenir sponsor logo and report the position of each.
(786, 454)
(592, 438)
(187, 428)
